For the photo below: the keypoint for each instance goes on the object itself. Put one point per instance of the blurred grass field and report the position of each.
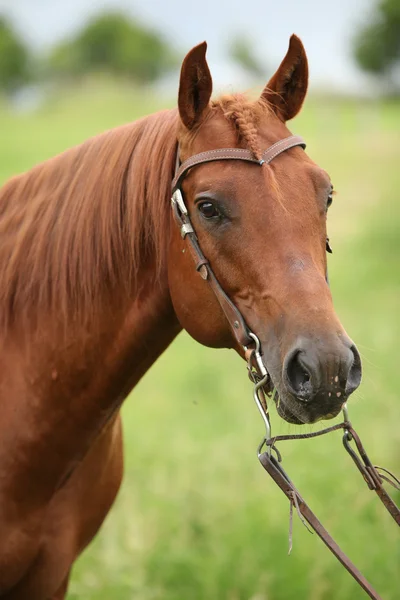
(197, 518)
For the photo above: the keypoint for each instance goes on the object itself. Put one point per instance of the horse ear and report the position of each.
(286, 90)
(195, 86)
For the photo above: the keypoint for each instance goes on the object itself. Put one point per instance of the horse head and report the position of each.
(262, 228)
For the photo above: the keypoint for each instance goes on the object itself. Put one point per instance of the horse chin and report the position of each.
(294, 411)
(286, 414)
(289, 410)
(282, 407)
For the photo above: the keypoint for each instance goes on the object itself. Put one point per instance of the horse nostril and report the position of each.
(298, 376)
(325, 375)
(355, 372)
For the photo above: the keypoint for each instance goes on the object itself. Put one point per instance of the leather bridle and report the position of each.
(181, 215)
(258, 373)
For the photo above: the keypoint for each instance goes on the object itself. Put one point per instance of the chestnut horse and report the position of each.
(95, 283)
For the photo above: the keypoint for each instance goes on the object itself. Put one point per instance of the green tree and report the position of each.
(242, 52)
(14, 58)
(377, 44)
(114, 43)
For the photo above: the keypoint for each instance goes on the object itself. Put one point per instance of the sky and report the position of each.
(325, 27)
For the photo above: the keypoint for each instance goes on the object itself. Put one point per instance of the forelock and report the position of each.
(245, 115)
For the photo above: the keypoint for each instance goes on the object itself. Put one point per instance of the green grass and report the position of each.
(197, 517)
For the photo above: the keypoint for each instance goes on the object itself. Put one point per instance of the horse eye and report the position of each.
(330, 199)
(208, 210)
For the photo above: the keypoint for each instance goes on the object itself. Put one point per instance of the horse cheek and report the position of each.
(195, 304)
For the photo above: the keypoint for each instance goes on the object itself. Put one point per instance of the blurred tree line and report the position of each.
(14, 59)
(114, 43)
(111, 42)
(377, 43)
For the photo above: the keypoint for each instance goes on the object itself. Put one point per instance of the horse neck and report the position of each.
(84, 378)
(66, 366)
(150, 322)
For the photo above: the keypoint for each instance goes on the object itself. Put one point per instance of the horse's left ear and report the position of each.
(286, 90)
(195, 86)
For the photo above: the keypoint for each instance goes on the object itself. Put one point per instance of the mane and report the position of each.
(244, 114)
(79, 224)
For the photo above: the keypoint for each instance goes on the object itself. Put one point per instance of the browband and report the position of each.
(234, 154)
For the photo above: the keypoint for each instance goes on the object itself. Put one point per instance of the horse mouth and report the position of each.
(282, 409)
(293, 411)
(286, 414)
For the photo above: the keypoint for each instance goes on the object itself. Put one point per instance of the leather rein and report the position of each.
(271, 458)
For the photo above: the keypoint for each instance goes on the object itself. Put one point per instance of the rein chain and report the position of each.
(372, 475)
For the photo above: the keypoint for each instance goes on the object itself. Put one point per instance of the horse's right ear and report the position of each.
(286, 90)
(195, 86)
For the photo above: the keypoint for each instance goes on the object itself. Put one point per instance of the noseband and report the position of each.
(258, 373)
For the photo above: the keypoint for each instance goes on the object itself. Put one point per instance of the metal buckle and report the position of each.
(259, 379)
(185, 229)
(177, 200)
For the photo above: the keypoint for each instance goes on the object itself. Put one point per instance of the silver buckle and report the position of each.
(177, 199)
(185, 229)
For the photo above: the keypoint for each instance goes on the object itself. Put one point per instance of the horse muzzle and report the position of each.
(317, 378)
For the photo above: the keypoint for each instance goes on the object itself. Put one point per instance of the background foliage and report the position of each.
(14, 58)
(111, 42)
(116, 44)
(377, 43)
(120, 45)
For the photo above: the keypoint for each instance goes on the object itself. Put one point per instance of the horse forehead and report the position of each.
(237, 177)
(217, 132)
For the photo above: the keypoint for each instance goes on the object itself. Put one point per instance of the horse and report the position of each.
(96, 281)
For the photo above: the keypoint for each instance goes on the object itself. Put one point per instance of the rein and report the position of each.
(372, 475)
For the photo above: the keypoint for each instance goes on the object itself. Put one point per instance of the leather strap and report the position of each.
(235, 154)
(370, 474)
(273, 468)
(241, 333)
(182, 218)
(232, 314)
